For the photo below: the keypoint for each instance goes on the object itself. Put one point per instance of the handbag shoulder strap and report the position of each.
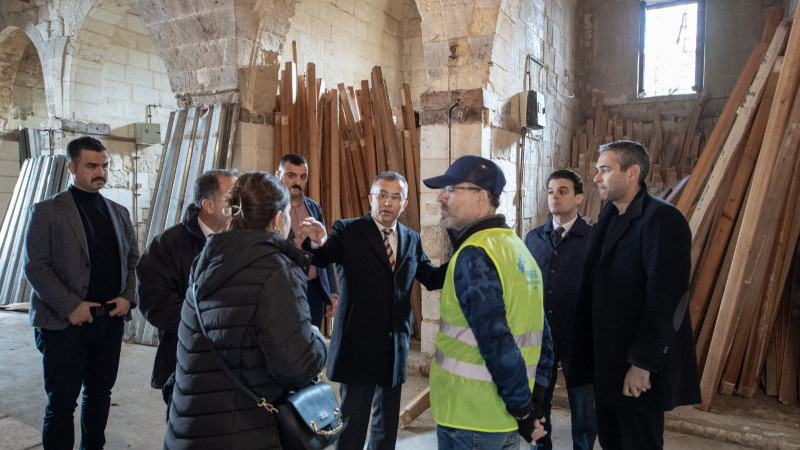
(262, 402)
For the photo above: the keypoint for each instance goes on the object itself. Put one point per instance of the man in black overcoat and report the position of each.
(378, 259)
(162, 274)
(632, 332)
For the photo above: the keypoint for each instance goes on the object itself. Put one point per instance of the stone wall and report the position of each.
(115, 72)
(611, 43)
(29, 107)
(485, 122)
(346, 38)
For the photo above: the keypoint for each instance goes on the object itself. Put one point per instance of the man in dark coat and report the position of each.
(322, 291)
(162, 274)
(378, 259)
(558, 247)
(633, 336)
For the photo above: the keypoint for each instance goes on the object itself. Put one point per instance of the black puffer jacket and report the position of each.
(251, 294)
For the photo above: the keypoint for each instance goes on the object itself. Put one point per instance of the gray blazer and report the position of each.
(57, 259)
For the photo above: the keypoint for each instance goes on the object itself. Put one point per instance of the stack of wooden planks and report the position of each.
(349, 135)
(673, 152)
(741, 201)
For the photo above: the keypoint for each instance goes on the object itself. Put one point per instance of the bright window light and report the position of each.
(669, 57)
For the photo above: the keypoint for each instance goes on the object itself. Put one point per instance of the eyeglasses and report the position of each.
(383, 195)
(448, 189)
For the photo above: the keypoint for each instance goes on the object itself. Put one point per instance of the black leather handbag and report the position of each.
(309, 419)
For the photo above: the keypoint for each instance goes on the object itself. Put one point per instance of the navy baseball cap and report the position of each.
(471, 169)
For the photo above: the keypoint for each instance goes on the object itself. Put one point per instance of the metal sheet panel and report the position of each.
(199, 139)
(40, 178)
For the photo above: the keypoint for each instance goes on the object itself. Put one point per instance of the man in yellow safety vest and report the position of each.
(493, 350)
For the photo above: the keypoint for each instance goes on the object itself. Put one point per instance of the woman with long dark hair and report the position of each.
(250, 290)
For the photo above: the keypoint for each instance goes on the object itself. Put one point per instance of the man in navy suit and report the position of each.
(378, 259)
(80, 257)
(322, 292)
(559, 247)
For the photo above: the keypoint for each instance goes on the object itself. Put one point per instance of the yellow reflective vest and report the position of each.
(463, 394)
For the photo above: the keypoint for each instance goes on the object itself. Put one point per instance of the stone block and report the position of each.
(98, 128)
(124, 38)
(456, 20)
(430, 304)
(138, 77)
(138, 59)
(116, 90)
(145, 95)
(348, 6)
(117, 54)
(134, 23)
(114, 109)
(483, 22)
(88, 76)
(111, 71)
(433, 142)
(428, 330)
(87, 92)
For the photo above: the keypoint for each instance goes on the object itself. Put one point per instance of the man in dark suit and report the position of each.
(378, 259)
(322, 292)
(558, 247)
(162, 274)
(633, 337)
(80, 254)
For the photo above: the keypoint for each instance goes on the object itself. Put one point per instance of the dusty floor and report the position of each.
(137, 413)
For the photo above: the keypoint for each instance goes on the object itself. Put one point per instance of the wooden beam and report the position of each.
(721, 233)
(757, 219)
(744, 118)
(418, 405)
(720, 131)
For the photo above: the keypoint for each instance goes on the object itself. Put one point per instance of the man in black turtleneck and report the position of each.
(80, 255)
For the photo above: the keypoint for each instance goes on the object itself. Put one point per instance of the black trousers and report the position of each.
(79, 356)
(630, 429)
(315, 296)
(357, 402)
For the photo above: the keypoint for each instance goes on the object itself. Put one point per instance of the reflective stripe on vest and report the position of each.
(472, 371)
(466, 336)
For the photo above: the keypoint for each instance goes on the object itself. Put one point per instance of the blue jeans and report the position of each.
(76, 356)
(582, 414)
(458, 439)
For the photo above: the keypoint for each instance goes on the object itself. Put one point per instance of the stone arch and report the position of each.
(213, 50)
(112, 69)
(22, 98)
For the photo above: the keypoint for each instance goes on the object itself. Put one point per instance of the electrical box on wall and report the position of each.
(531, 110)
(147, 133)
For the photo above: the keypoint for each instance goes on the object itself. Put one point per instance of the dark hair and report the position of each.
(293, 159)
(255, 199)
(494, 200)
(392, 176)
(630, 153)
(83, 143)
(566, 174)
(207, 185)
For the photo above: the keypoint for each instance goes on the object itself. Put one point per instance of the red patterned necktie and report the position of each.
(386, 233)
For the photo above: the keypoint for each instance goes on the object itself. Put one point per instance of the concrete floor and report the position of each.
(137, 412)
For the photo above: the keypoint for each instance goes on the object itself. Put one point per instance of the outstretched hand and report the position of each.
(314, 230)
